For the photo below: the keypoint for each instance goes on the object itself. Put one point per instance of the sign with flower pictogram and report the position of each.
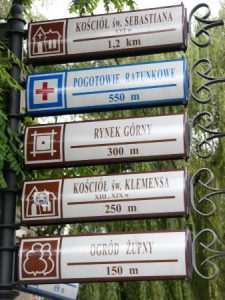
(40, 259)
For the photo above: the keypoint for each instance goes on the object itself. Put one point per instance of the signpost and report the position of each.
(106, 257)
(112, 87)
(138, 32)
(105, 197)
(54, 291)
(104, 141)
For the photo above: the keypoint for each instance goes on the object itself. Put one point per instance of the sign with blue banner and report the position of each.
(54, 291)
(108, 88)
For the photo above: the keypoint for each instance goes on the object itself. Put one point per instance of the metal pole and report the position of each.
(8, 233)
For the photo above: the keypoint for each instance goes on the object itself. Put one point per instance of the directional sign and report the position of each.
(53, 291)
(105, 197)
(106, 257)
(113, 87)
(104, 141)
(119, 34)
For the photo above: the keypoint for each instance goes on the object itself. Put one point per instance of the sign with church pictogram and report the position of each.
(105, 197)
(104, 141)
(105, 88)
(150, 255)
(118, 34)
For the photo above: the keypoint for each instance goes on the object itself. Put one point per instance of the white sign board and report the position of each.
(118, 34)
(104, 141)
(112, 87)
(106, 197)
(106, 257)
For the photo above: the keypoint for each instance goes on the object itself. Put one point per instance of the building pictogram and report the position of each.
(47, 38)
(41, 200)
(40, 203)
(46, 42)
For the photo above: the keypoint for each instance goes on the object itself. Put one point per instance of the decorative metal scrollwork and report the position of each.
(207, 24)
(207, 265)
(200, 204)
(203, 89)
(204, 146)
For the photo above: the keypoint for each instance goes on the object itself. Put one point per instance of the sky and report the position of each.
(57, 9)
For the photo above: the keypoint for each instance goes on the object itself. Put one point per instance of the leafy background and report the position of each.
(196, 288)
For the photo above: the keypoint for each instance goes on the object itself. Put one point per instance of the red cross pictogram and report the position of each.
(44, 91)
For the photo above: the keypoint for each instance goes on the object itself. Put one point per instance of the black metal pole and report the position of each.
(8, 233)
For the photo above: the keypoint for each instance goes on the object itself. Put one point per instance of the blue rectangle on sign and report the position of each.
(54, 291)
(149, 84)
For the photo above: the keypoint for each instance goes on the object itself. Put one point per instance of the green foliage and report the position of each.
(9, 153)
(84, 7)
(6, 6)
(197, 288)
(7, 58)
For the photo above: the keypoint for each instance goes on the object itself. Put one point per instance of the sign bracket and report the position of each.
(200, 268)
(207, 24)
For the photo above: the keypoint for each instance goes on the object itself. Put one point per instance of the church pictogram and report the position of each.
(41, 199)
(45, 42)
(47, 38)
(41, 203)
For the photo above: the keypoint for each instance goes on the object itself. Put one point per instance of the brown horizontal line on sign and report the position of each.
(124, 35)
(123, 262)
(124, 143)
(121, 200)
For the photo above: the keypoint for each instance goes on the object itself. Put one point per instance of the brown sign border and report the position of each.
(188, 262)
(63, 58)
(63, 163)
(61, 220)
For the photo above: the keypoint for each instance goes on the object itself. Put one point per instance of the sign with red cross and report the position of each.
(108, 88)
(44, 91)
